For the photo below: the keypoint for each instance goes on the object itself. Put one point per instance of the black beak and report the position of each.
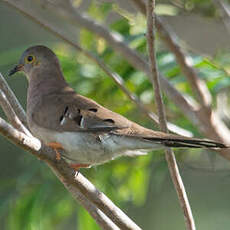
(15, 69)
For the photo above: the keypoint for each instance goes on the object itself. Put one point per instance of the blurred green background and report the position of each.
(32, 198)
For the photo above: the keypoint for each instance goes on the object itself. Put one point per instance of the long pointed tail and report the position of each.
(187, 142)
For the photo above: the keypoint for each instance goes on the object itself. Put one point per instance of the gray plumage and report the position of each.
(89, 133)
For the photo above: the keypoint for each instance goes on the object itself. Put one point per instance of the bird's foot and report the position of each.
(56, 146)
(78, 166)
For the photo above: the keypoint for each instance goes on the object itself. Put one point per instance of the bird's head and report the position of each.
(36, 58)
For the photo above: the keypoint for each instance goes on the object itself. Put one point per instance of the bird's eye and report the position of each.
(30, 59)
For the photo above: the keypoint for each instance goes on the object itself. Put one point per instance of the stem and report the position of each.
(170, 157)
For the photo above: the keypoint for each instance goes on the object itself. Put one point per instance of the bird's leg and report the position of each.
(56, 146)
(78, 166)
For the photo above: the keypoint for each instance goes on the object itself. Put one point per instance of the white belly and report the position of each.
(85, 148)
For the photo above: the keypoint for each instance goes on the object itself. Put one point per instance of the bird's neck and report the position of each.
(44, 83)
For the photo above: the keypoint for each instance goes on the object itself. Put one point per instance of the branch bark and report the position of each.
(13, 101)
(11, 115)
(170, 157)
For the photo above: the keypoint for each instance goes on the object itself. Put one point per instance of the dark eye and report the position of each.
(30, 58)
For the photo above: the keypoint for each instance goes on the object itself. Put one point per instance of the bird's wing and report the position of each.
(69, 111)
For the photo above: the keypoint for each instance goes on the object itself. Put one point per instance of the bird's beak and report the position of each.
(15, 69)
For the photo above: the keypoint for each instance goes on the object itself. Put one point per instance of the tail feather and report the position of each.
(187, 142)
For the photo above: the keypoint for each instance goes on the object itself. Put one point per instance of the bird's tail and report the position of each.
(187, 142)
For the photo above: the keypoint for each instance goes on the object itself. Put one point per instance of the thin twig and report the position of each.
(224, 9)
(198, 86)
(13, 100)
(11, 115)
(102, 220)
(170, 157)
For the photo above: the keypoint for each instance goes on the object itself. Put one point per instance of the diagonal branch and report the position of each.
(12, 117)
(13, 101)
(170, 157)
(101, 219)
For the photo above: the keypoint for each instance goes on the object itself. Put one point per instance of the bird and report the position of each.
(85, 132)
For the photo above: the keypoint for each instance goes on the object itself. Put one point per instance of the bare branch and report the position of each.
(180, 189)
(224, 9)
(101, 201)
(11, 115)
(153, 64)
(102, 220)
(19, 138)
(198, 86)
(170, 157)
(13, 100)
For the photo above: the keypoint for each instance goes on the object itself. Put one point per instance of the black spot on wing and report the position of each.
(93, 110)
(64, 113)
(109, 120)
(61, 118)
(66, 110)
(78, 119)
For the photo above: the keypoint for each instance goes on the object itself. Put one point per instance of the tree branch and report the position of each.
(198, 86)
(101, 219)
(11, 115)
(13, 101)
(170, 157)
